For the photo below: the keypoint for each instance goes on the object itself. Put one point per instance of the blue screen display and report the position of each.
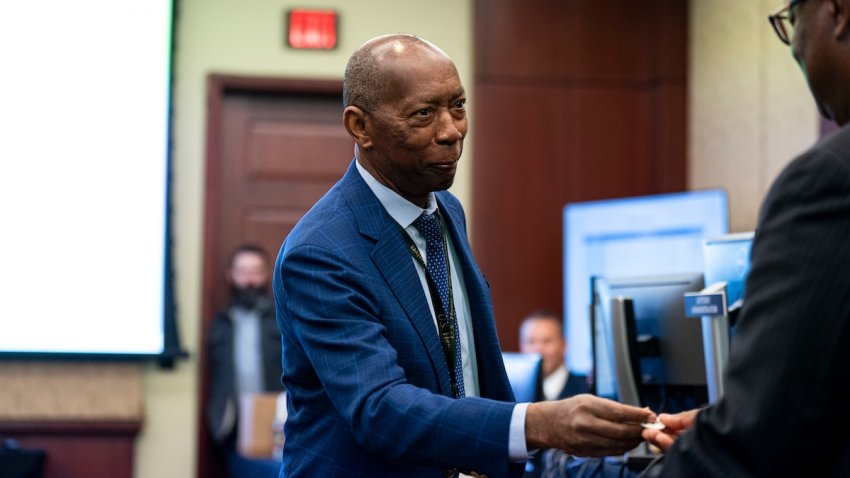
(636, 236)
(727, 259)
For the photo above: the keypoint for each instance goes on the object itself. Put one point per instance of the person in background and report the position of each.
(393, 365)
(243, 344)
(794, 327)
(542, 332)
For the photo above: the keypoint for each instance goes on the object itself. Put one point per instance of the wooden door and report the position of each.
(274, 147)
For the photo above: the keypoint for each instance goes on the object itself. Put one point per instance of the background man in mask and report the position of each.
(243, 346)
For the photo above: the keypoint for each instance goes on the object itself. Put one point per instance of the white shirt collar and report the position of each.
(555, 382)
(403, 211)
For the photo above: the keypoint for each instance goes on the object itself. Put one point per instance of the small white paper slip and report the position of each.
(656, 425)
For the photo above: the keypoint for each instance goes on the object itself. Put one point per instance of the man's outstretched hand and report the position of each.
(585, 425)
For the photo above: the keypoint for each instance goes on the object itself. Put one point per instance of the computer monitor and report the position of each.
(658, 234)
(727, 265)
(727, 259)
(643, 319)
(524, 373)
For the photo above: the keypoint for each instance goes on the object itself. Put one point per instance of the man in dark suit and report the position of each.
(784, 411)
(542, 332)
(243, 345)
(392, 361)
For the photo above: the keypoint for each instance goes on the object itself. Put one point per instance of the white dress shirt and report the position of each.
(555, 382)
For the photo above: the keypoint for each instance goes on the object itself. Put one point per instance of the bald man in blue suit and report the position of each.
(375, 390)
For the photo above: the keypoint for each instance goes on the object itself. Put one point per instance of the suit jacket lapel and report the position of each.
(491, 375)
(476, 289)
(393, 260)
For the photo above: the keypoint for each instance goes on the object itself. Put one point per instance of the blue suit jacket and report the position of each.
(369, 386)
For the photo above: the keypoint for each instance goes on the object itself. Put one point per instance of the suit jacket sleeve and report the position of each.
(786, 384)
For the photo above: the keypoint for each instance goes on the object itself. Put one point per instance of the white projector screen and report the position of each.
(84, 142)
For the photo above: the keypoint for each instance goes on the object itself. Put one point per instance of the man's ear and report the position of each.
(841, 14)
(355, 121)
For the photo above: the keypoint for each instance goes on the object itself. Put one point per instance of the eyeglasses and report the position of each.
(783, 21)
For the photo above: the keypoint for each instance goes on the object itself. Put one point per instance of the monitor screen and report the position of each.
(524, 373)
(668, 344)
(84, 193)
(727, 259)
(637, 236)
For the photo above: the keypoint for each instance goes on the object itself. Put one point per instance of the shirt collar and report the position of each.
(400, 209)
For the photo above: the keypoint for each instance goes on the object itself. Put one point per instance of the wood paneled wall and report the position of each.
(574, 100)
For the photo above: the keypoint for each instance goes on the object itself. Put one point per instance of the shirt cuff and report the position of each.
(517, 448)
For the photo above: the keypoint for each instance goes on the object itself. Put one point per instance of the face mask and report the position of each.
(247, 297)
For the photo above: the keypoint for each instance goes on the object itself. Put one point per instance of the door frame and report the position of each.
(218, 86)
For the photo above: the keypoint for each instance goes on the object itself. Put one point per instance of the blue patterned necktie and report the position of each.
(438, 268)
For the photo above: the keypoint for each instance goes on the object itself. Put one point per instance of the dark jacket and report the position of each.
(222, 393)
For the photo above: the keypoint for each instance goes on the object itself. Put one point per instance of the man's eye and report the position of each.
(423, 112)
(460, 103)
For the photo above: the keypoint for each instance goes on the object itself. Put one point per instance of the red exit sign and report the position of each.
(312, 29)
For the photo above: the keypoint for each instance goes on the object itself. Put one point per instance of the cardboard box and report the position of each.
(256, 420)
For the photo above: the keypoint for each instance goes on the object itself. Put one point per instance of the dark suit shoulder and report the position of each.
(836, 144)
(812, 177)
(349, 209)
(576, 385)
(330, 212)
(819, 164)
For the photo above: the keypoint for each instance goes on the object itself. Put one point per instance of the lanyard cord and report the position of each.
(445, 324)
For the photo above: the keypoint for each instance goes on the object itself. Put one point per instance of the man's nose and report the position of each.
(450, 129)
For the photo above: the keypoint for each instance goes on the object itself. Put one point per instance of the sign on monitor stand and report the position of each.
(709, 305)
